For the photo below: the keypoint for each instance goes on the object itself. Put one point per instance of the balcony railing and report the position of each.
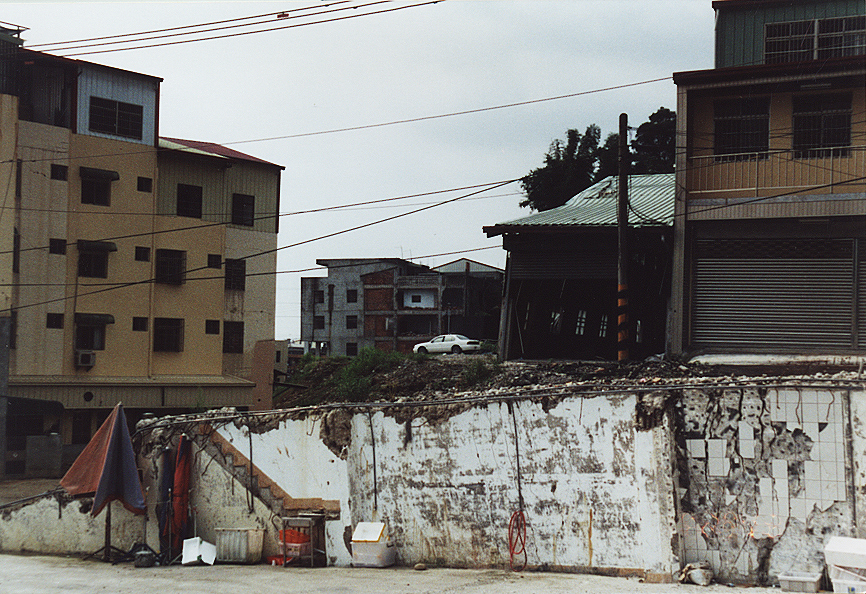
(820, 171)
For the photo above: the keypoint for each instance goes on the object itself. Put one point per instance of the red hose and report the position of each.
(517, 539)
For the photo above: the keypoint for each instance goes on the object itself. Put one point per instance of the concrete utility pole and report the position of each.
(622, 341)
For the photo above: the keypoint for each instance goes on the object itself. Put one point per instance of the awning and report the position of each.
(86, 245)
(93, 173)
(89, 319)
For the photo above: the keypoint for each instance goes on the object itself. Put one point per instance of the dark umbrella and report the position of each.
(106, 469)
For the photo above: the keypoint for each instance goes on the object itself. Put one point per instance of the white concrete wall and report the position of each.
(597, 492)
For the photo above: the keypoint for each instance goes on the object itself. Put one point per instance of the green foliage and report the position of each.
(477, 372)
(304, 368)
(352, 383)
(572, 166)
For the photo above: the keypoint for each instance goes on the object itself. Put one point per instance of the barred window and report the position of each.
(168, 335)
(816, 39)
(116, 117)
(170, 267)
(741, 127)
(236, 271)
(822, 125)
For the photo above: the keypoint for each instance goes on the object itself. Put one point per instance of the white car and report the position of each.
(448, 343)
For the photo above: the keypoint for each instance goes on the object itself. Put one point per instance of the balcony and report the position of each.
(777, 174)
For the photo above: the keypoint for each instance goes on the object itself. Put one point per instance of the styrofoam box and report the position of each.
(371, 547)
(840, 585)
(846, 573)
(239, 545)
(846, 552)
(799, 581)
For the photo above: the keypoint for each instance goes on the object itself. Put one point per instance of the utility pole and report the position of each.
(622, 341)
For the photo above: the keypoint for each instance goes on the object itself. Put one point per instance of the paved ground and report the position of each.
(44, 575)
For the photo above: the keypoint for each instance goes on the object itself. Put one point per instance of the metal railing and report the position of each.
(835, 171)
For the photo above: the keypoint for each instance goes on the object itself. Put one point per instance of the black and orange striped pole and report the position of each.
(622, 339)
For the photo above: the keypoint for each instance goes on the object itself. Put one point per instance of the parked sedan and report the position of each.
(448, 343)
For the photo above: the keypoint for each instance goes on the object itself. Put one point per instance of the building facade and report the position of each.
(133, 261)
(770, 223)
(392, 304)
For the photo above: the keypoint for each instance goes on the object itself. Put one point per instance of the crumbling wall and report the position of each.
(765, 478)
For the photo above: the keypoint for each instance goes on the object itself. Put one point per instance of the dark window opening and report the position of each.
(416, 298)
(742, 128)
(211, 326)
(116, 117)
(351, 295)
(57, 246)
(235, 275)
(822, 125)
(93, 264)
(233, 337)
(319, 296)
(170, 267)
(351, 322)
(318, 322)
(145, 184)
(189, 199)
(59, 172)
(243, 209)
(168, 335)
(139, 324)
(90, 336)
(214, 261)
(54, 320)
(142, 254)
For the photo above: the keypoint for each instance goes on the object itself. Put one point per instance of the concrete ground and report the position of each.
(30, 574)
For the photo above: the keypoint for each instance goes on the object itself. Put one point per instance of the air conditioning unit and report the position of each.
(85, 358)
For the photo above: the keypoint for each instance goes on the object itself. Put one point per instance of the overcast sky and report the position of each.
(452, 56)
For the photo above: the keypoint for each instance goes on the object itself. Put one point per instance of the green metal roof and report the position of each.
(651, 204)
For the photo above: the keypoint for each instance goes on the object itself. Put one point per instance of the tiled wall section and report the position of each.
(757, 458)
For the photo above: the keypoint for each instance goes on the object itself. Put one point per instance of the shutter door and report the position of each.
(590, 264)
(773, 295)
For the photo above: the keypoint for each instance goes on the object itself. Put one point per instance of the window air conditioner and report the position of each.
(85, 358)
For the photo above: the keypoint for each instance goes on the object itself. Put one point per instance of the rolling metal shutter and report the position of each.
(599, 263)
(772, 295)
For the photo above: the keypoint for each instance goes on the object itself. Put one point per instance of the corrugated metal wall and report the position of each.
(740, 31)
(600, 264)
(113, 84)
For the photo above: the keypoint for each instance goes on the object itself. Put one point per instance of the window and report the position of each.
(57, 246)
(168, 335)
(142, 254)
(59, 172)
(189, 201)
(602, 328)
(90, 331)
(54, 320)
(742, 127)
(243, 209)
(170, 267)
(93, 264)
(211, 326)
(351, 295)
(139, 324)
(416, 298)
(318, 322)
(233, 337)
(278, 356)
(816, 39)
(214, 261)
(96, 185)
(145, 184)
(351, 349)
(236, 271)
(822, 125)
(319, 296)
(115, 117)
(351, 322)
(580, 326)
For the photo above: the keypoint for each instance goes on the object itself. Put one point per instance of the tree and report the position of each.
(654, 145)
(572, 166)
(568, 169)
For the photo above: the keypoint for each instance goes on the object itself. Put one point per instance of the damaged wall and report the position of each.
(597, 492)
(766, 477)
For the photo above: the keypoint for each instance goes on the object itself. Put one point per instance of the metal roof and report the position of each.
(650, 197)
(209, 148)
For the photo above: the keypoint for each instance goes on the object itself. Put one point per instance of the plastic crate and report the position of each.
(799, 581)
